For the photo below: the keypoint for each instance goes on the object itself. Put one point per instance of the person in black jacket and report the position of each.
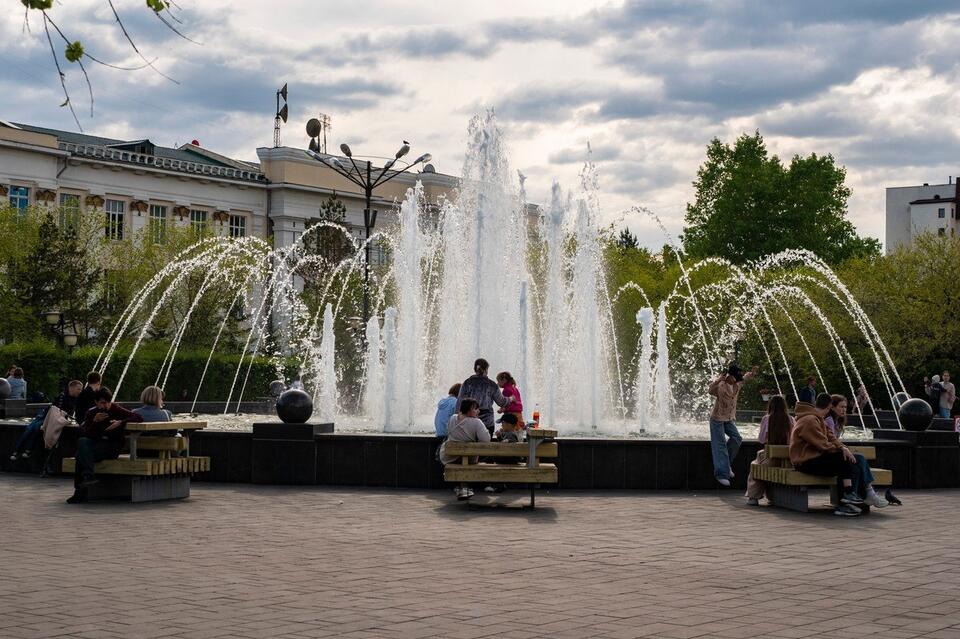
(29, 441)
(86, 400)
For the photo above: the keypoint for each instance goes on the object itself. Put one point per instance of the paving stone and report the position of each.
(299, 562)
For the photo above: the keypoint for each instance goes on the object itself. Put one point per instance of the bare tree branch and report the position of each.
(173, 28)
(133, 44)
(63, 83)
(87, 55)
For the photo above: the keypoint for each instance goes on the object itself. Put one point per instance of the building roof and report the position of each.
(189, 158)
(934, 200)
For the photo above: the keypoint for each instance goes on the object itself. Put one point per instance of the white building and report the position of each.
(913, 210)
(135, 182)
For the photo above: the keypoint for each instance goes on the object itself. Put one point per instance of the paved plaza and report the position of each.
(250, 561)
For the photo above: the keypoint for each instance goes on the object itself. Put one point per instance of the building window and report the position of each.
(379, 256)
(198, 221)
(69, 210)
(19, 197)
(941, 231)
(114, 212)
(158, 224)
(238, 226)
(941, 213)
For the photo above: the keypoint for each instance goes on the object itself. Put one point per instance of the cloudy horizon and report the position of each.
(646, 84)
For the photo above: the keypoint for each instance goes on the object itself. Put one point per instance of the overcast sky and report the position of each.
(647, 83)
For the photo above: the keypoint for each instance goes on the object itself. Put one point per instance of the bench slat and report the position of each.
(792, 477)
(162, 443)
(542, 474)
(496, 449)
(147, 427)
(783, 452)
(546, 433)
(145, 467)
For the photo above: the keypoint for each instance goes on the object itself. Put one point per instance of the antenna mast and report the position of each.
(281, 114)
(324, 127)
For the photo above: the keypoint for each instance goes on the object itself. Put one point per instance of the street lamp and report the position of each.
(364, 178)
(55, 319)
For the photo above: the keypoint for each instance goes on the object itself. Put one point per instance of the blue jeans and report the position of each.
(725, 442)
(30, 437)
(862, 476)
(944, 412)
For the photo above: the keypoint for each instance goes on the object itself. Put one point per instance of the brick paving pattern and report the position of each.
(252, 561)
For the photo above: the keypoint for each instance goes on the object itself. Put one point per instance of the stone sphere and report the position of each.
(915, 414)
(899, 400)
(277, 387)
(4, 389)
(294, 406)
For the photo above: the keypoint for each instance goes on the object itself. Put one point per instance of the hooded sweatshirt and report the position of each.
(810, 437)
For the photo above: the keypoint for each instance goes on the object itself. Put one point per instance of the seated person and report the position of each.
(509, 433)
(18, 385)
(101, 437)
(465, 426)
(446, 407)
(816, 451)
(30, 439)
(152, 409)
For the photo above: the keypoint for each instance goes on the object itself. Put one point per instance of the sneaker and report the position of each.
(732, 475)
(723, 482)
(89, 480)
(851, 498)
(753, 502)
(489, 489)
(892, 499)
(875, 500)
(25, 455)
(13, 457)
(467, 493)
(846, 510)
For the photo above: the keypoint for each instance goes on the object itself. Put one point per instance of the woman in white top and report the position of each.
(464, 426)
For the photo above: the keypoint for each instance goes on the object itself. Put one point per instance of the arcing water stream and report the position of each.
(486, 275)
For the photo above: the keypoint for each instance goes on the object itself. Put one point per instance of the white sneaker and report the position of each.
(25, 455)
(732, 475)
(875, 500)
(467, 493)
(13, 457)
(753, 502)
(724, 482)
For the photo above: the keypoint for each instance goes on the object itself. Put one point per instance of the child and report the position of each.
(509, 433)
(514, 404)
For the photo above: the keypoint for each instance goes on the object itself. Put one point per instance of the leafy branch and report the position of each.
(74, 51)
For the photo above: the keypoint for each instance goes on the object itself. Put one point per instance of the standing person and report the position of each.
(101, 437)
(775, 430)
(509, 389)
(446, 407)
(808, 393)
(725, 439)
(483, 389)
(151, 408)
(464, 427)
(815, 451)
(948, 396)
(87, 396)
(933, 389)
(18, 385)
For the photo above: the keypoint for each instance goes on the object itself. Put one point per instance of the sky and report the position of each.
(647, 84)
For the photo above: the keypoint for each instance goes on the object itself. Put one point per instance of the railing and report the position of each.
(120, 155)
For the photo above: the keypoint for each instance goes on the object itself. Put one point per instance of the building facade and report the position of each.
(914, 210)
(139, 185)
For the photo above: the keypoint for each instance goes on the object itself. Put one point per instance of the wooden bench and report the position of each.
(164, 473)
(539, 445)
(788, 487)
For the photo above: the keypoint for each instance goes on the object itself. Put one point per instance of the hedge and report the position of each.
(47, 367)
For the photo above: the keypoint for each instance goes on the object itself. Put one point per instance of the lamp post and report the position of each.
(365, 178)
(56, 320)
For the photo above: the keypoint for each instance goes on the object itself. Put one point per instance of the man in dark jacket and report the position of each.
(86, 400)
(101, 437)
(808, 394)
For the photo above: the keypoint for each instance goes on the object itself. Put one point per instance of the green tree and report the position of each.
(627, 240)
(748, 204)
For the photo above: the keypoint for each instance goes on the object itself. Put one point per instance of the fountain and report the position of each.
(480, 275)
